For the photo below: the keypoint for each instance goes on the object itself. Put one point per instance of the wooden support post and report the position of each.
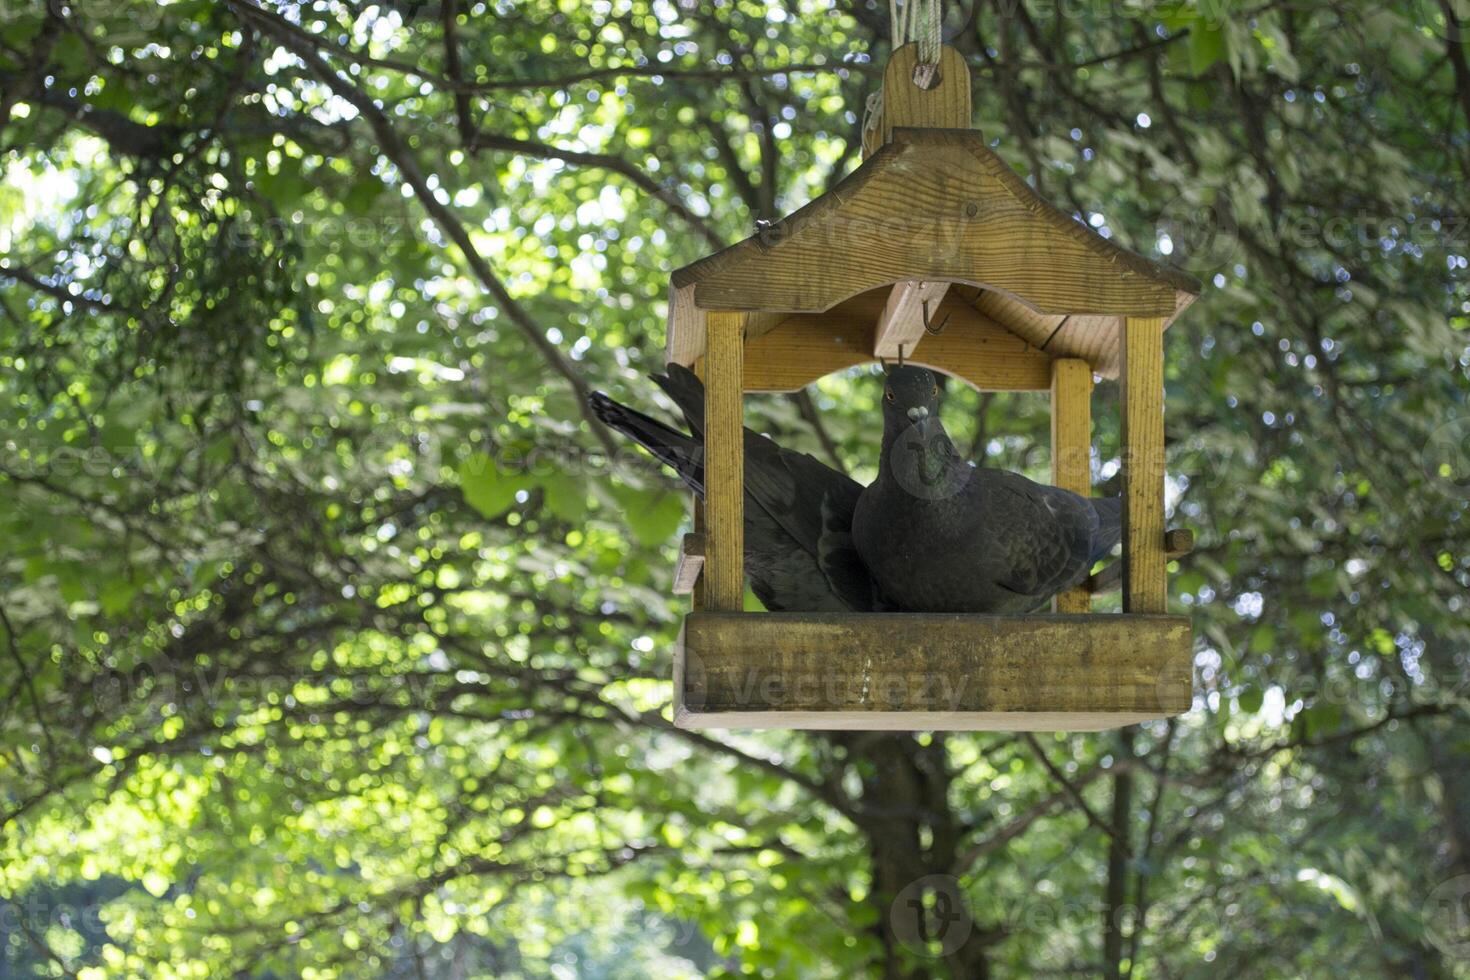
(724, 464)
(697, 601)
(1071, 447)
(901, 325)
(1141, 381)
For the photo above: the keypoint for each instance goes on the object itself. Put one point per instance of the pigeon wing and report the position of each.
(790, 486)
(1042, 535)
(838, 557)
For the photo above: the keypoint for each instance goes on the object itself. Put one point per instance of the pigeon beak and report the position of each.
(918, 413)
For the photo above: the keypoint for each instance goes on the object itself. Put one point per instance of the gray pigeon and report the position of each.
(940, 535)
(799, 556)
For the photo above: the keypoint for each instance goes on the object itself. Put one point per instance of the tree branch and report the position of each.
(393, 147)
(449, 17)
(1074, 791)
(605, 161)
(20, 273)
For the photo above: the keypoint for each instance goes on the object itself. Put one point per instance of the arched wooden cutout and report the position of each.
(972, 347)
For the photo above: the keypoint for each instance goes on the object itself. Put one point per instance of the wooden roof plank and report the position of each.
(934, 205)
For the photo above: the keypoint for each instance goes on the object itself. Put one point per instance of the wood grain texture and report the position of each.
(691, 563)
(1178, 542)
(944, 105)
(972, 347)
(1071, 448)
(688, 328)
(1094, 339)
(930, 671)
(724, 463)
(687, 347)
(697, 600)
(1036, 328)
(1141, 390)
(901, 324)
(933, 205)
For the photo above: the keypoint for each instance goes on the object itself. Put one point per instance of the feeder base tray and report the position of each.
(931, 671)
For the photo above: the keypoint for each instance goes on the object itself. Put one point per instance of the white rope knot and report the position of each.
(872, 117)
(918, 21)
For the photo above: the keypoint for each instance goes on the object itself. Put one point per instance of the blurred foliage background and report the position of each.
(336, 640)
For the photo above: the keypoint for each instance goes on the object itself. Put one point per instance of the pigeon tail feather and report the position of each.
(675, 449)
(687, 391)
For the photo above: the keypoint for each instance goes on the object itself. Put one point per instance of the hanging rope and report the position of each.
(917, 21)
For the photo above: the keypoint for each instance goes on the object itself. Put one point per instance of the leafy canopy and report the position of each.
(336, 638)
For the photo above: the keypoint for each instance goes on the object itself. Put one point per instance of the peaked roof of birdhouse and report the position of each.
(934, 205)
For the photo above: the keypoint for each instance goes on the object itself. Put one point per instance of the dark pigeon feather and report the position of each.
(790, 567)
(939, 535)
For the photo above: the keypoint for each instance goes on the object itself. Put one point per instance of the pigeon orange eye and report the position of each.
(935, 391)
(888, 395)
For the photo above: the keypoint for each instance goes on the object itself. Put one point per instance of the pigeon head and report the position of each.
(910, 395)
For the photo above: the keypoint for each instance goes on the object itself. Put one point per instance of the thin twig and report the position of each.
(605, 161)
(393, 147)
(1072, 791)
(13, 644)
(808, 410)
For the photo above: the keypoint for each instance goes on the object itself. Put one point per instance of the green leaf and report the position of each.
(116, 595)
(652, 516)
(1207, 45)
(1321, 719)
(71, 53)
(21, 29)
(487, 488)
(361, 195)
(566, 496)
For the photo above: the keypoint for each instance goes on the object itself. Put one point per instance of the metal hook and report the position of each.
(929, 327)
(900, 355)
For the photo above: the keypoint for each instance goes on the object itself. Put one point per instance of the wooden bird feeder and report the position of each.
(932, 226)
